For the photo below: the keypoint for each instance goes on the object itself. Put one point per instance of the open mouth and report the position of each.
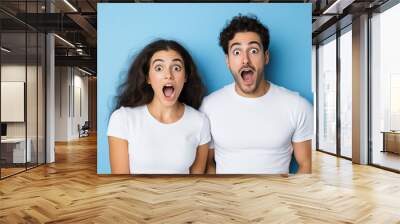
(247, 75)
(168, 90)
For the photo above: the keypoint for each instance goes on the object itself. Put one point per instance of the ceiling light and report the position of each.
(337, 7)
(5, 50)
(84, 71)
(65, 41)
(70, 5)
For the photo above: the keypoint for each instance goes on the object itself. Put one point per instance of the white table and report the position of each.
(19, 149)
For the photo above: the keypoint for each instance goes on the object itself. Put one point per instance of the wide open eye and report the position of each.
(177, 68)
(158, 68)
(254, 51)
(236, 52)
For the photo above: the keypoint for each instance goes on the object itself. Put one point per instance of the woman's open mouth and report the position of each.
(168, 91)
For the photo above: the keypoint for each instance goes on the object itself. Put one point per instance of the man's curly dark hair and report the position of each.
(241, 23)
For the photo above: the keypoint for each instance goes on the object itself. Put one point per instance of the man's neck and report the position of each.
(261, 90)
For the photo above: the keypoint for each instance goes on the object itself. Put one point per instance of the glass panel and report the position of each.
(23, 88)
(386, 89)
(31, 100)
(346, 94)
(314, 87)
(327, 96)
(76, 122)
(41, 98)
(395, 101)
(32, 86)
(13, 87)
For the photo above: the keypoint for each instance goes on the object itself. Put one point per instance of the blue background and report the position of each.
(124, 29)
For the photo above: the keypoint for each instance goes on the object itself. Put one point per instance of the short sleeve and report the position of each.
(203, 107)
(117, 126)
(204, 110)
(205, 135)
(304, 122)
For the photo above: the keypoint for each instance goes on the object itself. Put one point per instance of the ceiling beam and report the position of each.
(83, 61)
(84, 24)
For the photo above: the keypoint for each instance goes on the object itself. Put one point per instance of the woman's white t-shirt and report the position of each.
(159, 148)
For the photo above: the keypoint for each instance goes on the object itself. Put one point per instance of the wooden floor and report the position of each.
(5, 172)
(387, 159)
(10, 171)
(70, 191)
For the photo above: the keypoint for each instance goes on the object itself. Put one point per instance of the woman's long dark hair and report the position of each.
(135, 91)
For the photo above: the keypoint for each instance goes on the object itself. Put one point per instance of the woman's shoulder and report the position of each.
(127, 111)
(194, 114)
(198, 121)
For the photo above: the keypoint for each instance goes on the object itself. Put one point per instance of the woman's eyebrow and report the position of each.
(157, 60)
(178, 59)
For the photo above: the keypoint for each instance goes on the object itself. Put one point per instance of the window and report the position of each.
(327, 96)
(385, 89)
(346, 93)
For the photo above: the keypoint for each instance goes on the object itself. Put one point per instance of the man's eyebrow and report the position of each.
(236, 43)
(157, 60)
(251, 42)
(255, 42)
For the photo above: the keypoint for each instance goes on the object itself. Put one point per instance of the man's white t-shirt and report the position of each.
(255, 135)
(159, 148)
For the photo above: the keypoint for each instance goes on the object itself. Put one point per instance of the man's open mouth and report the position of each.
(247, 74)
(168, 90)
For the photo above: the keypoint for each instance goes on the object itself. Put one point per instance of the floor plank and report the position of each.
(70, 191)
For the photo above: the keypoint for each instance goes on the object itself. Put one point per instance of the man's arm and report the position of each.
(302, 153)
(210, 162)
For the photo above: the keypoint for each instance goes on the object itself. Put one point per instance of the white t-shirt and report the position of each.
(255, 135)
(158, 148)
